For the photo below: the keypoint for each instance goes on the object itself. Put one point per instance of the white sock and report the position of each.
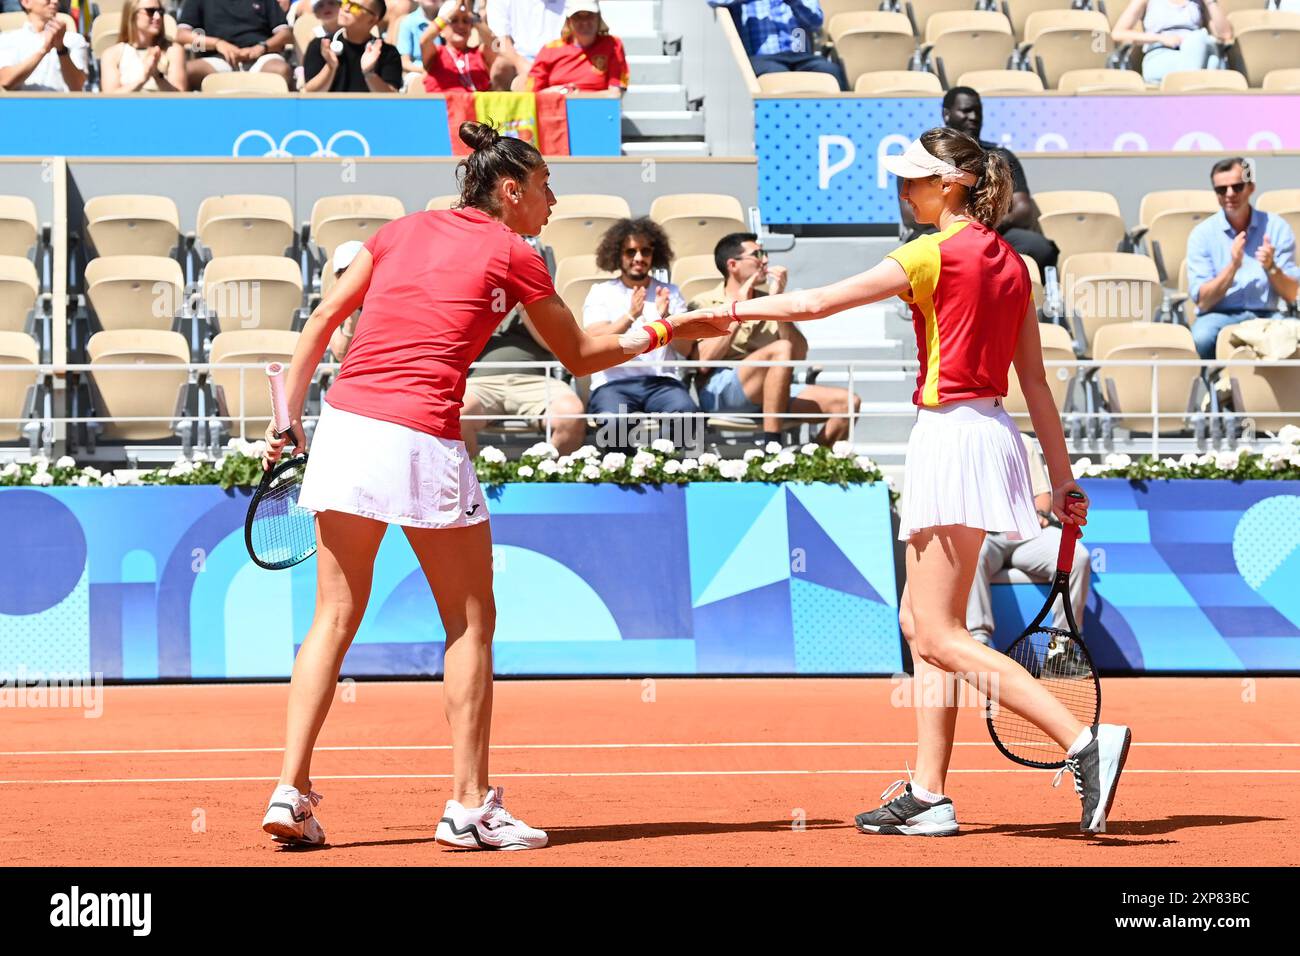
(925, 796)
(1084, 738)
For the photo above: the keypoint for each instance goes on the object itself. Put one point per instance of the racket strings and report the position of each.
(283, 533)
(1057, 661)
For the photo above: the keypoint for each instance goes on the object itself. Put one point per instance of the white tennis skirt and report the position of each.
(382, 470)
(967, 465)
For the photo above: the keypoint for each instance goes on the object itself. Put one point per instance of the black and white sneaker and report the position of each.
(905, 815)
(1096, 770)
(489, 827)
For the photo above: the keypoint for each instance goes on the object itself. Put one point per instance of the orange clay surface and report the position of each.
(671, 772)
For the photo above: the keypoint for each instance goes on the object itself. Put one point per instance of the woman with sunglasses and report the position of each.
(366, 64)
(143, 59)
(453, 64)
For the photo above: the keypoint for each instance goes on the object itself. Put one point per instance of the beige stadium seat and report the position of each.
(574, 277)
(128, 392)
(891, 82)
(686, 268)
(796, 82)
(336, 219)
(135, 292)
(1282, 81)
(304, 31)
(833, 8)
(1018, 11)
(1269, 395)
(579, 220)
(106, 26)
(1057, 41)
(1103, 288)
(1101, 81)
(1126, 390)
(1203, 81)
(1229, 7)
(246, 84)
(247, 225)
(19, 287)
(1168, 216)
(19, 227)
(969, 41)
(1281, 202)
(872, 41)
(127, 225)
(1264, 40)
(986, 82)
(12, 21)
(1057, 347)
(246, 412)
(441, 202)
(1080, 220)
(253, 292)
(694, 222)
(17, 349)
(921, 11)
(1035, 280)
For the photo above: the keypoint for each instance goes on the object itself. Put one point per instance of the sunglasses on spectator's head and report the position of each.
(352, 7)
(1237, 189)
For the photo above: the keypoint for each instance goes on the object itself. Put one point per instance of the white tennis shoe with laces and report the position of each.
(290, 817)
(489, 827)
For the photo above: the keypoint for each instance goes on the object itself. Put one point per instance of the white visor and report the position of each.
(916, 162)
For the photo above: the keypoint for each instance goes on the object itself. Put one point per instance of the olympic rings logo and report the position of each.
(282, 149)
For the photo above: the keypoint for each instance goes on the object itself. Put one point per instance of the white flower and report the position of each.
(255, 449)
(590, 472)
(1094, 471)
(809, 449)
(733, 470)
(708, 460)
(1080, 467)
(42, 479)
(637, 470)
(690, 464)
(865, 463)
(11, 469)
(1169, 463)
(83, 481)
(492, 455)
(672, 466)
(525, 471)
(889, 481)
(564, 461)
(109, 481)
(1206, 459)
(67, 461)
(131, 478)
(1289, 435)
(180, 468)
(613, 461)
(1274, 453)
(542, 450)
(1227, 460)
(585, 452)
(92, 472)
(1294, 461)
(1244, 449)
(200, 456)
(772, 448)
(1118, 461)
(663, 446)
(547, 467)
(1277, 464)
(1188, 459)
(842, 449)
(785, 458)
(643, 460)
(42, 465)
(753, 453)
(770, 467)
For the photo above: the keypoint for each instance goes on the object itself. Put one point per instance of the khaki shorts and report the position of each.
(519, 394)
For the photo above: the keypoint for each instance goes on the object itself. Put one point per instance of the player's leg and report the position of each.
(995, 552)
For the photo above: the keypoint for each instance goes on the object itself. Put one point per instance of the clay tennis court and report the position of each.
(673, 772)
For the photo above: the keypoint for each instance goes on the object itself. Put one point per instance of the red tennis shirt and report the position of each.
(970, 292)
(441, 282)
(601, 66)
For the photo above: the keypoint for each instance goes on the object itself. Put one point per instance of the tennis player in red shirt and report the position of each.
(432, 287)
(586, 58)
(967, 472)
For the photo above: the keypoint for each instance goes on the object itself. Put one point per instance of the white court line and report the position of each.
(583, 773)
(363, 748)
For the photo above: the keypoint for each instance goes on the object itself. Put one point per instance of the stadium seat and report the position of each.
(1018, 11)
(442, 202)
(1203, 81)
(253, 292)
(1282, 202)
(686, 268)
(889, 82)
(919, 12)
(1057, 347)
(16, 389)
(249, 407)
(106, 27)
(1035, 280)
(128, 392)
(694, 222)
(248, 84)
(1282, 81)
(1229, 7)
(867, 42)
(19, 227)
(1167, 217)
(135, 292)
(833, 8)
(1126, 390)
(578, 221)
(574, 277)
(304, 31)
(1094, 81)
(1264, 393)
(130, 225)
(12, 20)
(1264, 40)
(336, 219)
(1103, 288)
(798, 82)
(19, 287)
(958, 42)
(248, 225)
(1057, 41)
(986, 82)
(1080, 220)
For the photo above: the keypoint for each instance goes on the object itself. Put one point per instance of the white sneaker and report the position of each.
(289, 817)
(489, 827)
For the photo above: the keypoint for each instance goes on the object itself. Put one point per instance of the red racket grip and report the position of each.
(1070, 533)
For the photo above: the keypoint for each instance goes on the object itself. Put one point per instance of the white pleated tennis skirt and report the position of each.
(967, 465)
(389, 472)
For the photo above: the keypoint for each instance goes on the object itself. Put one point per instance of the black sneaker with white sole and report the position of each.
(1096, 770)
(905, 815)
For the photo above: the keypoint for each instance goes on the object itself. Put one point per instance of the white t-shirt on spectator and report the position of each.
(606, 302)
(19, 44)
(531, 24)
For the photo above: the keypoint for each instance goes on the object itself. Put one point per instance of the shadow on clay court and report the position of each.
(1121, 828)
(618, 832)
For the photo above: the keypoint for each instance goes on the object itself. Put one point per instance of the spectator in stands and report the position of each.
(520, 392)
(1173, 34)
(143, 59)
(325, 11)
(367, 64)
(748, 389)
(342, 337)
(227, 35)
(632, 248)
(410, 30)
(43, 55)
(453, 64)
(586, 58)
(522, 28)
(779, 36)
(1036, 557)
(964, 111)
(1241, 261)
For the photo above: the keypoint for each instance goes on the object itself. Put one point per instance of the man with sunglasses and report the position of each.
(1241, 261)
(227, 35)
(43, 55)
(367, 64)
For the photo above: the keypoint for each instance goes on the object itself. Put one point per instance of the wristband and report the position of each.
(661, 333)
(439, 23)
(734, 317)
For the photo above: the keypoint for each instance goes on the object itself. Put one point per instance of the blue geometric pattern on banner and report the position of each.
(718, 516)
(856, 528)
(749, 633)
(762, 557)
(821, 561)
(838, 633)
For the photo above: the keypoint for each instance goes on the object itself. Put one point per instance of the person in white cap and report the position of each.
(586, 58)
(342, 337)
(966, 471)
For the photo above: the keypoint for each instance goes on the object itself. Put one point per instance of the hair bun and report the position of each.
(478, 135)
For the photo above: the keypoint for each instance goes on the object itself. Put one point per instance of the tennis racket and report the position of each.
(277, 532)
(1060, 662)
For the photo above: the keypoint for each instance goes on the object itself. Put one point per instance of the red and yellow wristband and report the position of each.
(661, 333)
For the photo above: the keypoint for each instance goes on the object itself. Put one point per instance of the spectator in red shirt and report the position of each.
(586, 57)
(453, 65)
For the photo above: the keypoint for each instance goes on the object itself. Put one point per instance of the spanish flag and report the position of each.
(541, 119)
